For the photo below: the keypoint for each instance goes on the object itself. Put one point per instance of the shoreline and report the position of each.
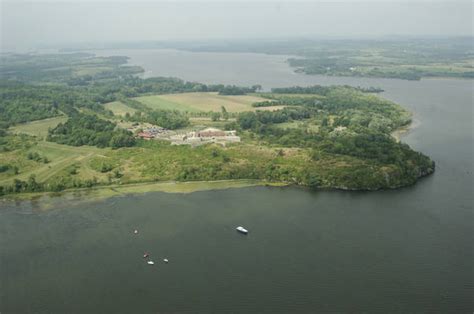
(403, 131)
(46, 200)
(101, 192)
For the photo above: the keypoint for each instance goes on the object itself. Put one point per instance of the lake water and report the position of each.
(407, 250)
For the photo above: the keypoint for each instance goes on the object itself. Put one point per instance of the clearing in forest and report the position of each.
(39, 127)
(196, 102)
(119, 108)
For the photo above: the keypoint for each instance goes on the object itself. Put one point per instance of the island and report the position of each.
(77, 121)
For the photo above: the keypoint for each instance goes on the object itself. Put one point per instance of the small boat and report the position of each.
(146, 255)
(135, 231)
(150, 263)
(242, 230)
(165, 260)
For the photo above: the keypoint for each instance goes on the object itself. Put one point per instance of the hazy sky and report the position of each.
(28, 24)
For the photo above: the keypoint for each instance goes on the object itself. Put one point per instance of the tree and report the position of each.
(32, 185)
(257, 87)
(225, 114)
(122, 140)
(315, 154)
(117, 174)
(215, 116)
(325, 121)
(312, 180)
(18, 185)
(247, 120)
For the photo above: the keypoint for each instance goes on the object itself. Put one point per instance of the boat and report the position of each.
(146, 255)
(242, 230)
(135, 231)
(150, 263)
(165, 260)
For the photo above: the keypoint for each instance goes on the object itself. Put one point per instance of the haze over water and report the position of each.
(407, 250)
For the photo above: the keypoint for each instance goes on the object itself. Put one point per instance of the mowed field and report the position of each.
(38, 128)
(196, 102)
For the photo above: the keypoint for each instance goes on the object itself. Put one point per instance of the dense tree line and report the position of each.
(236, 90)
(315, 89)
(323, 90)
(277, 100)
(134, 86)
(82, 129)
(32, 185)
(21, 102)
(252, 120)
(266, 103)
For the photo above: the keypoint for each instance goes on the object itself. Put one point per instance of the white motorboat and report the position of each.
(242, 230)
(150, 263)
(165, 260)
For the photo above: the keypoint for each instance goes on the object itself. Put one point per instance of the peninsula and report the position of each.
(75, 121)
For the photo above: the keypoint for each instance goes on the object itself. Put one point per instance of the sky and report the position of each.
(29, 24)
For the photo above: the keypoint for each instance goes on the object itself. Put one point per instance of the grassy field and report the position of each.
(153, 162)
(38, 128)
(119, 108)
(195, 102)
(61, 158)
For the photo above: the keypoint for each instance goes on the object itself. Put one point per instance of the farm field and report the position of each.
(38, 128)
(195, 102)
